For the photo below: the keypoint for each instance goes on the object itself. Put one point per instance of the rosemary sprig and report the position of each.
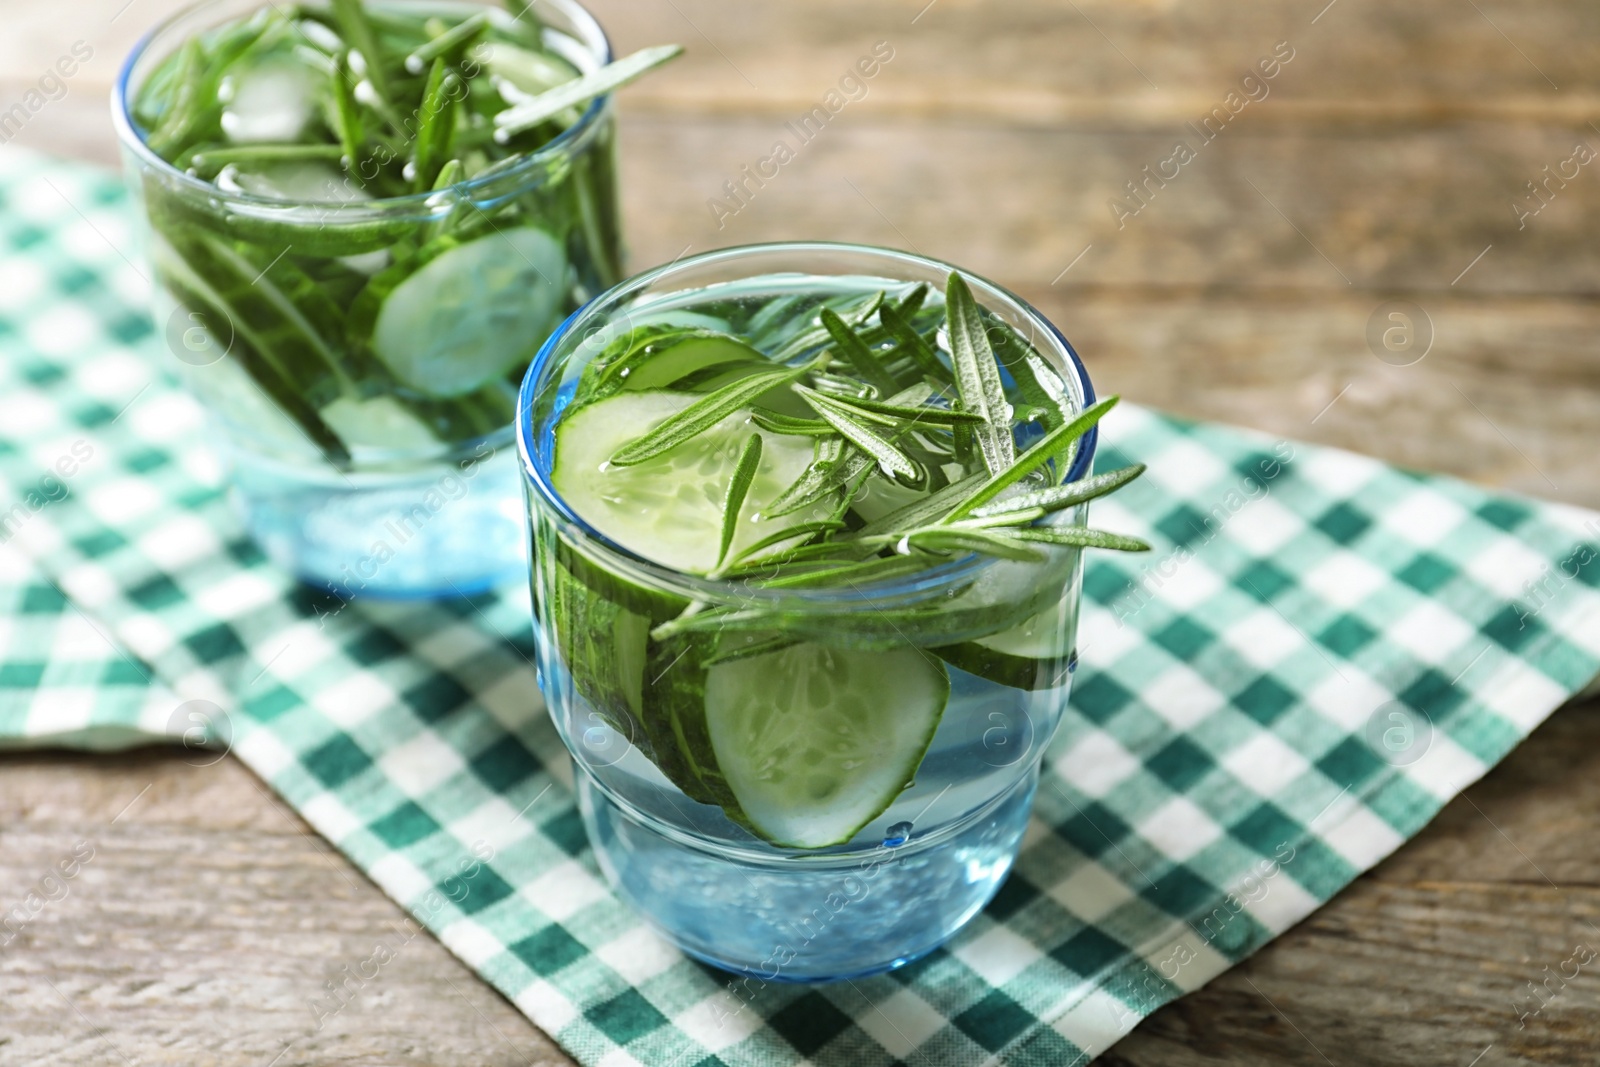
(1063, 496)
(713, 619)
(946, 539)
(815, 482)
(978, 494)
(352, 19)
(702, 415)
(1021, 517)
(210, 161)
(754, 645)
(1081, 536)
(852, 573)
(777, 422)
(351, 133)
(738, 488)
(525, 116)
(924, 414)
(925, 511)
(862, 359)
(814, 554)
(891, 460)
(912, 302)
(915, 346)
(978, 376)
(1044, 450)
(788, 533)
(432, 145)
(455, 38)
(818, 335)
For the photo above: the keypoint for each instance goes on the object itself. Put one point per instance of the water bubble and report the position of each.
(897, 835)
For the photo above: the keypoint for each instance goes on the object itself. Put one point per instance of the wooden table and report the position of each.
(1385, 162)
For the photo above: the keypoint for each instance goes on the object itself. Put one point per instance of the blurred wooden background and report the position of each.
(1388, 161)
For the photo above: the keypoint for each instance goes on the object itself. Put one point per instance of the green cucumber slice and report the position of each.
(669, 509)
(661, 363)
(308, 181)
(814, 742)
(604, 647)
(268, 102)
(679, 317)
(528, 72)
(471, 314)
(381, 423)
(1030, 655)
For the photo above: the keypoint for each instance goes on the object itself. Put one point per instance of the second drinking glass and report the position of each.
(353, 285)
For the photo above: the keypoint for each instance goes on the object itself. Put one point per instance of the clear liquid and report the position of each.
(901, 887)
(438, 529)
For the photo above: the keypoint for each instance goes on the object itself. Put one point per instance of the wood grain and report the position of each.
(204, 928)
(1144, 64)
(1385, 211)
(1384, 161)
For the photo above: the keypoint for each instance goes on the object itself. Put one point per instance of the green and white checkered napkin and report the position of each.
(1321, 651)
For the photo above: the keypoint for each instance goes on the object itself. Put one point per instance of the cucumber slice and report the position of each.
(604, 646)
(528, 72)
(669, 509)
(306, 181)
(472, 313)
(679, 317)
(815, 742)
(381, 422)
(1033, 654)
(270, 102)
(659, 364)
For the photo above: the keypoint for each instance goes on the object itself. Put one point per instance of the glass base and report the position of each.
(814, 918)
(439, 529)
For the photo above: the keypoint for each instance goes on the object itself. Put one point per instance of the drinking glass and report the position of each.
(1000, 633)
(377, 476)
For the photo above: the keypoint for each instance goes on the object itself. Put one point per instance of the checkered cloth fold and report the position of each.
(1321, 651)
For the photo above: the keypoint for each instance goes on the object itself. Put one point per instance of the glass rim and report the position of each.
(568, 142)
(925, 583)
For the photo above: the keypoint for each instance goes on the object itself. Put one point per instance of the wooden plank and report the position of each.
(204, 928)
(1099, 62)
(1104, 61)
(1508, 396)
(1375, 211)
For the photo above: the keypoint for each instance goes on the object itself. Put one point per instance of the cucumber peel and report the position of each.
(1034, 654)
(663, 361)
